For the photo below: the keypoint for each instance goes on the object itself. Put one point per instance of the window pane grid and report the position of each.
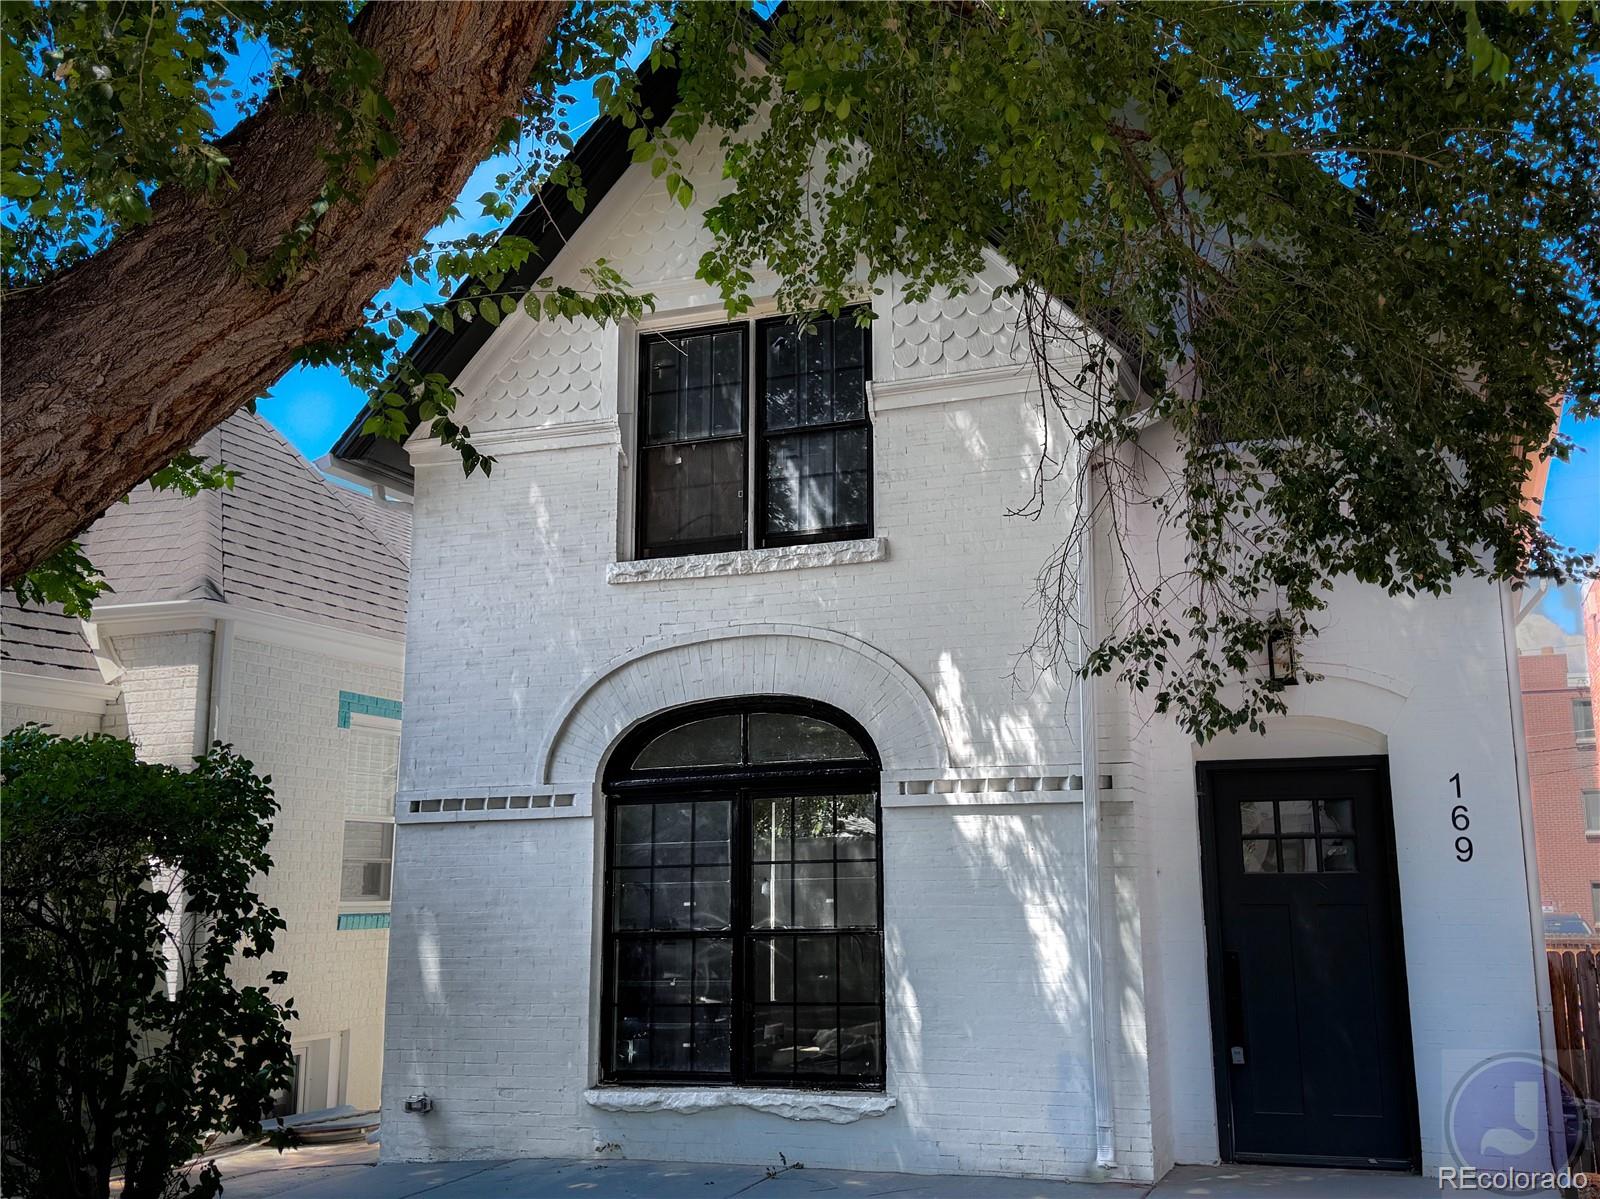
(679, 876)
(1298, 836)
(692, 477)
(813, 862)
(814, 1005)
(812, 473)
(704, 983)
(368, 861)
(815, 460)
(812, 996)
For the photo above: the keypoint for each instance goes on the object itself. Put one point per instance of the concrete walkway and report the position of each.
(349, 1171)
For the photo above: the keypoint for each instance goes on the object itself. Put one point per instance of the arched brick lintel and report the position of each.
(761, 659)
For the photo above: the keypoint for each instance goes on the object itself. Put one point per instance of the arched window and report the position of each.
(743, 913)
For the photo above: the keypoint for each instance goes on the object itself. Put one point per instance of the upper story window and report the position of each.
(749, 441)
(1583, 719)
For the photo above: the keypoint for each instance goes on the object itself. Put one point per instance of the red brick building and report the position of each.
(1591, 629)
(1558, 718)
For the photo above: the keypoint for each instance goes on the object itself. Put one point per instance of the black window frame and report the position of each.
(756, 439)
(742, 785)
(762, 439)
(642, 446)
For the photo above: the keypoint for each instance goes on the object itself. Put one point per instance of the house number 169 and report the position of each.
(1461, 821)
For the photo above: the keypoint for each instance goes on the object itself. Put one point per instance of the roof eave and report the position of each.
(549, 220)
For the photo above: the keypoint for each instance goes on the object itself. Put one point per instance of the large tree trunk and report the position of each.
(123, 362)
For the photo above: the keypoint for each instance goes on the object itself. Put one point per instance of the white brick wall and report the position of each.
(166, 694)
(493, 988)
(61, 721)
(283, 713)
(1425, 681)
(986, 1045)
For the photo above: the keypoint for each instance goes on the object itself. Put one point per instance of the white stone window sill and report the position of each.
(750, 562)
(836, 1107)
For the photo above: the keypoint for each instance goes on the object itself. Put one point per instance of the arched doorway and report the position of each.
(743, 933)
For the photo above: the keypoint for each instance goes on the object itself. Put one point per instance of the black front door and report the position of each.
(1307, 974)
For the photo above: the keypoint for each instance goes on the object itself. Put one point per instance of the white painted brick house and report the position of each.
(704, 583)
(272, 617)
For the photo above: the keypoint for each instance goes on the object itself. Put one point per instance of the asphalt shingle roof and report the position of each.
(44, 641)
(283, 539)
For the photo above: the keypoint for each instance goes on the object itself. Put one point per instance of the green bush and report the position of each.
(104, 1069)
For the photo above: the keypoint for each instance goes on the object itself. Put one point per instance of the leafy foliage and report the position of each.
(1345, 252)
(66, 577)
(190, 474)
(112, 868)
(105, 102)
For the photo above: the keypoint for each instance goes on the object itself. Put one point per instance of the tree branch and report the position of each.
(122, 362)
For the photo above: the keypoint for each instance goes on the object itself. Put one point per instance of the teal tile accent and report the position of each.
(353, 920)
(367, 705)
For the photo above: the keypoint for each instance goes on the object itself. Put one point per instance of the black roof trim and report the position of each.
(548, 220)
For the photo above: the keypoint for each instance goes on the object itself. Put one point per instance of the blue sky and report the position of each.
(311, 406)
(1572, 510)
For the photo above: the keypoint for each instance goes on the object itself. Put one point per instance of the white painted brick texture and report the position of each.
(166, 693)
(283, 715)
(60, 721)
(493, 987)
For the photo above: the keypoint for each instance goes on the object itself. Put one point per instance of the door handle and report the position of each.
(1233, 1007)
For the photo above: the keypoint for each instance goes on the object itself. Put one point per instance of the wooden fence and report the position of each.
(1575, 998)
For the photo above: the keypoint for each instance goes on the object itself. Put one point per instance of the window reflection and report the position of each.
(744, 941)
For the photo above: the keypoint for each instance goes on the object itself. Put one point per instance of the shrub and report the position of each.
(126, 894)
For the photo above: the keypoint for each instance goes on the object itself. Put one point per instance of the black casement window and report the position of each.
(802, 467)
(743, 925)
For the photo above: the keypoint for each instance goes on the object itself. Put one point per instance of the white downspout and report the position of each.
(180, 925)
(221, 657)
(1530, 869)
(1089, 741)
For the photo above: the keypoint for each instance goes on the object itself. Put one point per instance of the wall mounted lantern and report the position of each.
(1281, 664)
